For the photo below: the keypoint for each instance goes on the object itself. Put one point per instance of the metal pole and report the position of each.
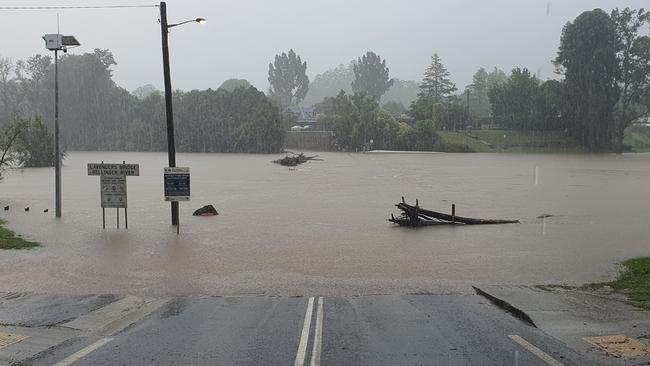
(118, 217)
(171, 147)
(104, 218)
(57, 152)
(126, 218)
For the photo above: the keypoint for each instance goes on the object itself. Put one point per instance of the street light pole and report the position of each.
(57, 151)
(56, 43)
(171, 147)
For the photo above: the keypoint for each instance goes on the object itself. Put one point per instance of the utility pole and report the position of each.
(57, 151)
(171, 147)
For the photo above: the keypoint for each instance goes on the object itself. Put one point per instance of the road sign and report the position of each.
(114, 169)
(177, 184)
(113, 191)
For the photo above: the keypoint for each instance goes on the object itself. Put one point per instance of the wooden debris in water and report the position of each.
(295, 159)
(415, 216)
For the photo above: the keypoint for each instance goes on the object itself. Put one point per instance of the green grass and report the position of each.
(460, 138)
(529, 142)
(633, 281)
(9, 239)
(637, 138)
(514, 141)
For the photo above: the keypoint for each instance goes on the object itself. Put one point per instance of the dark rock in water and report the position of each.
(207, 210)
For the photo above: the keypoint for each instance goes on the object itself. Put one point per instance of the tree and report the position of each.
(396, 109)
(371, 76)
(356, 120)
(144, 91)
(588, 59)
(8, 139)
(402, 91)
(288, 78)
(35, 145)
(6, 65)
(436, 85)
(330, 83)
(634, 66)
(513, 102)
(232, 84)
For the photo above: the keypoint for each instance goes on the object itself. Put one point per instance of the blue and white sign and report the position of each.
(177, 184)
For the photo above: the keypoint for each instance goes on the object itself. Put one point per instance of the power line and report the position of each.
(75, 7)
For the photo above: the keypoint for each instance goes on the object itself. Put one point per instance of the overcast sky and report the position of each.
(243, 36)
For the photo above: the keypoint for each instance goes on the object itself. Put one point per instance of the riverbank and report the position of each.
(633, 282)
(10, 240)
(637, 139)
(502, 141)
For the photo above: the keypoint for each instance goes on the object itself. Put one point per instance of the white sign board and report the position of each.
(113, 191)
(177, 184)
(114, 169)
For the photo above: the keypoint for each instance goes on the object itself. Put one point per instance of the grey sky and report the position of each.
(243, 36)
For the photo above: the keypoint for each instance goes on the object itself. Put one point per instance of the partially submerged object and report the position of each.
(415, 216)
(295, 159)
(207, 210)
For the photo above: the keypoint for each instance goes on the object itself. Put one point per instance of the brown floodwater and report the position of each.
(322, 229)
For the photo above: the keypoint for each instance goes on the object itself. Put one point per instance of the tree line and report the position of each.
(97, 114)
(603, 63)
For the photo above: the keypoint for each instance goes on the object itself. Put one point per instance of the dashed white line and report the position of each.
(318, 335)
(536, 351)
(82, 353)
(304, 336)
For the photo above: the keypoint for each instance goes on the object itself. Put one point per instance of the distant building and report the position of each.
(305, 116)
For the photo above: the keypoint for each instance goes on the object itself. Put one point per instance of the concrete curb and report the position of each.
(506, 306)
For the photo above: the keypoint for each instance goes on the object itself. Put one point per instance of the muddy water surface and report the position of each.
(321, 229)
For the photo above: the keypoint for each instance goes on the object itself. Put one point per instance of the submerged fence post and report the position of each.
(453, 212)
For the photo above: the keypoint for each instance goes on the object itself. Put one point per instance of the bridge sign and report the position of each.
(113, 169)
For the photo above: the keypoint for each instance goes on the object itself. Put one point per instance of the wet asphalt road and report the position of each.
(364, 330)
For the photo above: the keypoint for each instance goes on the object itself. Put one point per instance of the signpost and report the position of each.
(177, 186)
(113, 187)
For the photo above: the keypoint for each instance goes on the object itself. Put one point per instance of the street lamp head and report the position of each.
(201, 20)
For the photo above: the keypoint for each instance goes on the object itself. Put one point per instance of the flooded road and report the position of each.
(321, 229)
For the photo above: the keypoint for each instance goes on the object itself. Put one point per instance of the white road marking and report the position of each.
(304, 336)
(82, 353)
(536, 351)
(318, 335)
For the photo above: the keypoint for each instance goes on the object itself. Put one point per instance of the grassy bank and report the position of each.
(633, 281)
(510, 141)
(9, 239)
(637, 138)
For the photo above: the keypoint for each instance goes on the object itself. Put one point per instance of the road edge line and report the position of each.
(83, 352)
(304, 336)
(534, 350)
(507, 307)
(318, 335)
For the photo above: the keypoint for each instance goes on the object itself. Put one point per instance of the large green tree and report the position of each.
(371, 76)
(587, 58)
(513, 102)
(436, 85)
(634, 65)
(288, 79)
